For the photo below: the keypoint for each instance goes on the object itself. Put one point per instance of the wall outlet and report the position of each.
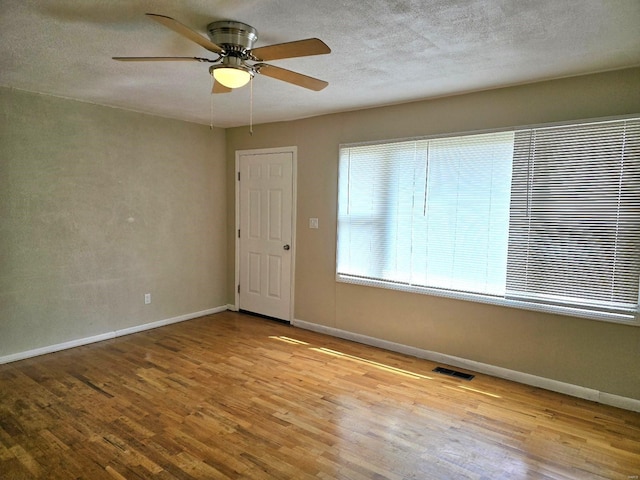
(313, 223)
(147, 298)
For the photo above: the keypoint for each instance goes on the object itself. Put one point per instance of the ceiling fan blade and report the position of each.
(186, 32)
(162, 59)
(219, 88)
(290, 77)
(299, 48)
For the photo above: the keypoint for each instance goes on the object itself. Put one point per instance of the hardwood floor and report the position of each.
(233, 396)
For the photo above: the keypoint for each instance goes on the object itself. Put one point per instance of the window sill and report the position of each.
(620, 318)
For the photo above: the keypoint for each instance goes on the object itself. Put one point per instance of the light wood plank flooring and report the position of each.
(233, 396)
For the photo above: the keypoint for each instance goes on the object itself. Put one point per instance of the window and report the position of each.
(545, 218)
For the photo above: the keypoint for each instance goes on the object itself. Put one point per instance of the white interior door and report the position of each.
(265, 260)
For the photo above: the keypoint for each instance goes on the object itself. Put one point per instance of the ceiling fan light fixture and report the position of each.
(231, 76)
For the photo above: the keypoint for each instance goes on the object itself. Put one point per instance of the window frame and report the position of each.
(550, 308)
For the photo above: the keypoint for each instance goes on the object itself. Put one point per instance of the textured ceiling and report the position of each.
(383, 52)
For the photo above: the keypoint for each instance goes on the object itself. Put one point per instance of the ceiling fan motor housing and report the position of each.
(235, 37)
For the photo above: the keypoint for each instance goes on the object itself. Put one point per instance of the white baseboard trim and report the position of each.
(169, 321)
(106, 336)
(56, 348)
(232, 308)
(500, 372)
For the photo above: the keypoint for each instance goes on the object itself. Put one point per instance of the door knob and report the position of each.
(286, 247)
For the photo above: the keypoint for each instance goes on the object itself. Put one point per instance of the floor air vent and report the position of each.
(453, 373)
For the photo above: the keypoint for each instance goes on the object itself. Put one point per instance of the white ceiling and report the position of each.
(383, 52)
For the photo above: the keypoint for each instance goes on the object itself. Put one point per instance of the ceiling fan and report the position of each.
(233, 43)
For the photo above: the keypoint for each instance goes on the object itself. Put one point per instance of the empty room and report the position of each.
(332, 240)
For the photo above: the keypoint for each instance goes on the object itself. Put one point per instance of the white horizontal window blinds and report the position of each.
(427, 213)
(368, 201)
(575, 216)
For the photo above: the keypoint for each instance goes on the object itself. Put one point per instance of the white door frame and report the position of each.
(293, 150)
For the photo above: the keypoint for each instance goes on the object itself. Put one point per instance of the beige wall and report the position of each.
(593, 354)
(99, 206)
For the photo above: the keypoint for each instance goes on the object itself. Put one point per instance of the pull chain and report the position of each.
(251, 107)
(211, 104)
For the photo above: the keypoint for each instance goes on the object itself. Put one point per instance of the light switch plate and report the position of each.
(313, 223)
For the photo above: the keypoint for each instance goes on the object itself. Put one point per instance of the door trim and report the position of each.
(293, 150)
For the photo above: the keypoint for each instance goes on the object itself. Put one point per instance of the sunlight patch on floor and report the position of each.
(290, 340)
(335, 353)
(381, 366)
(475, 390)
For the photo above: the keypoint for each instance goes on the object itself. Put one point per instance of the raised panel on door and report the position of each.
(274, 276)
(274, 221)
(254, 271)
(255, 214)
